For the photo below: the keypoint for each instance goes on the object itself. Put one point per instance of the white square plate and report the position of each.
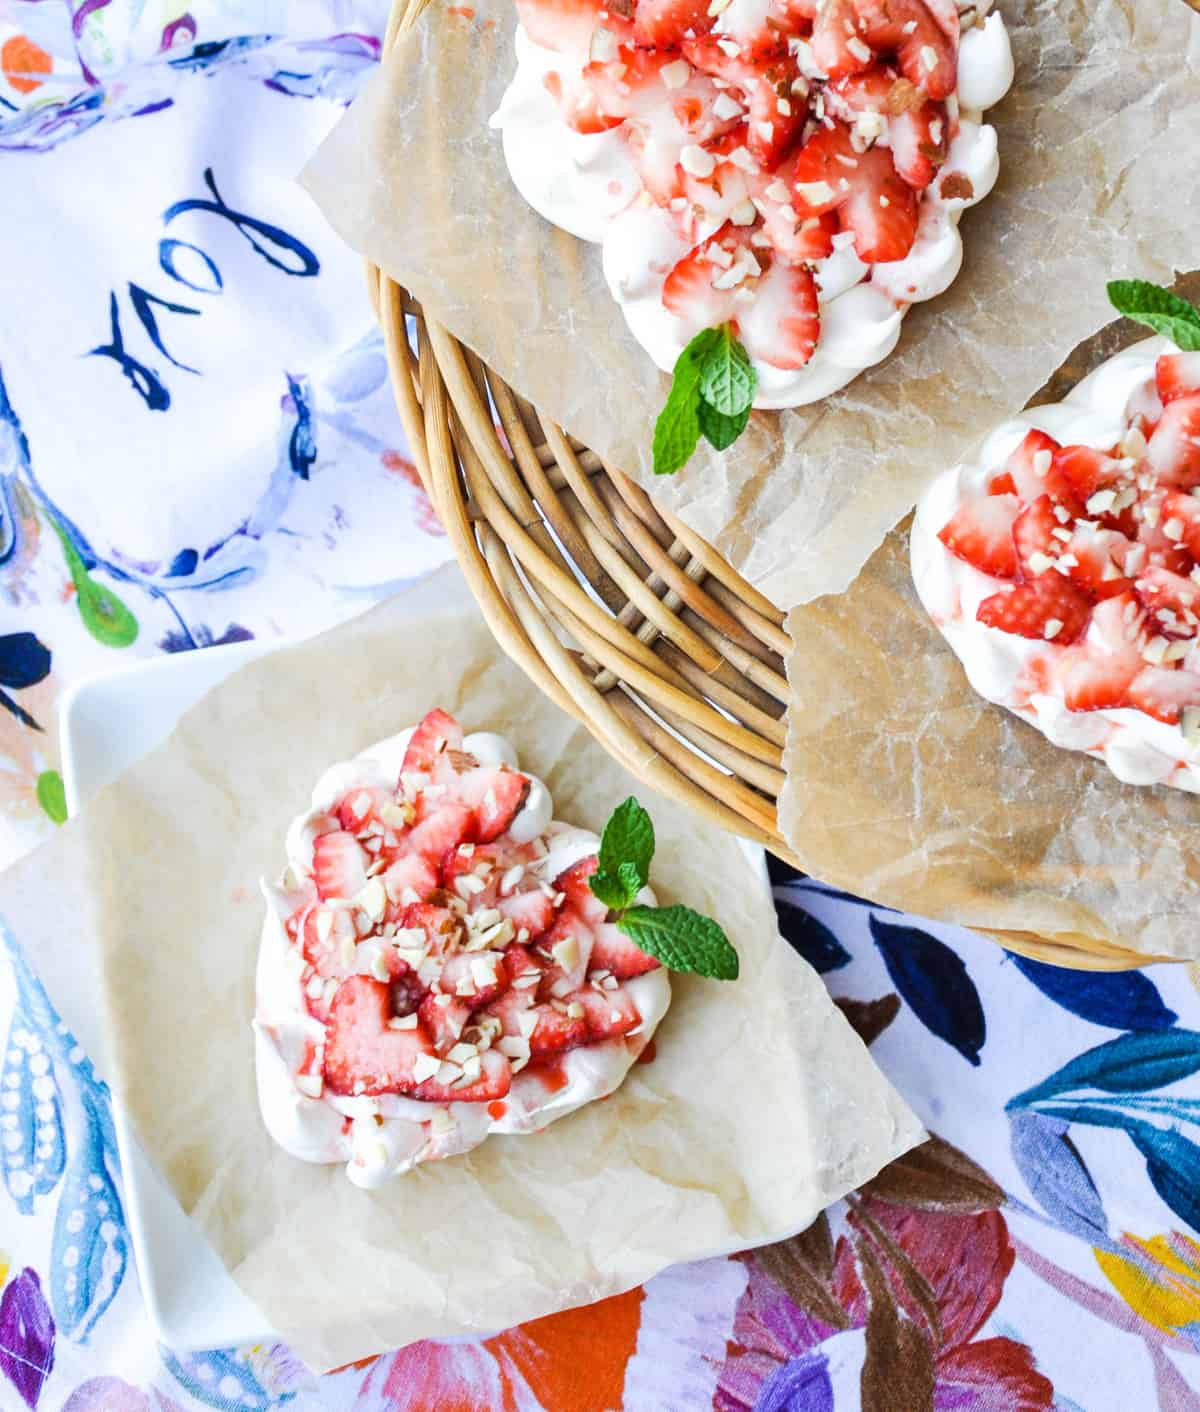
(191, 1300)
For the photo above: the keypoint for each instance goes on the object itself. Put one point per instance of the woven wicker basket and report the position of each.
(619, 612)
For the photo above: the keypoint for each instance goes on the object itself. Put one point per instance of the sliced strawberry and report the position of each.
(573, 883)
(521, 963)
(613, 951)
(1163, 692)
(441, 824)
(494, 1081)
(925, 54)
(495, 796)
(1162, 538)
(689, 292)
(783, 322)
(556, 1031)
(870, 198)
(443, 1018)
(1032, 609)
(1174, 450)
(919, 141)
(1098, 556)
(531, 910)
(758, 83)
(1002, 484)
(607, 1013)
(410, 877)
(916, 129)
(980, 532)
(1032, 467)
(1088, 470)
(568, 26)
(475, 978)
(509, 1007)
(1176, 505)
(438, 731)
(666, 24)
(339, 865)
(838, 45)
(1172, 600)
(1095, 682)
(1034, 539)
(360, 807)
(1177, 375)
(569, 942)
(443, 930)
(362, 1055)
(325, 952)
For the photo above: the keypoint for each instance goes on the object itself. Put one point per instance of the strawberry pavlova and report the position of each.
(791, 169)
(444, 961)
(1063, 566)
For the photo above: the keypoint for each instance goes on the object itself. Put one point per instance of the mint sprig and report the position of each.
(712, 388)
(681, 939)
(1158, 309)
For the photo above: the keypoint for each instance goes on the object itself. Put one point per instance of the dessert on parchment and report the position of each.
(1063, 564)
(791, 170)
(444, 960)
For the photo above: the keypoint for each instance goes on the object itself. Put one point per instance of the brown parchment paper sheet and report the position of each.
(907, 787)
(1099, 178)
(761, 1107)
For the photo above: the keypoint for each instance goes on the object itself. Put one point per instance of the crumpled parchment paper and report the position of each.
(761, 1107)
(1099, 178)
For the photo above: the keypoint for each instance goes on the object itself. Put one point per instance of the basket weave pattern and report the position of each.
(618, 611)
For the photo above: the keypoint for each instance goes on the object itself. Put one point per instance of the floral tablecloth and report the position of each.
(197, 446)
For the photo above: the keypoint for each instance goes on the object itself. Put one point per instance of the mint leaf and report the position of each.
(614, 892)
(682, 940)
(1158, 309)
(631, 875)
(727, 379)
(628, 838)
(718, 429)
(677, 429)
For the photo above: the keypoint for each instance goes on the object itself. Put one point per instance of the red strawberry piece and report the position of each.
(607, 1013)
(573, 883)
(919, 141)
(569, 942)
(515, 1002)
(689, 292)
(339, 865)
(1098, 555)
(758, 82)
(441, 824)
(665, 24)
(1176, 505)
(1034, 472)
(359, 807)
(1171, 600)
(556, 1031)
(532, 910)
(782, 324)
(437, 732)
(362, 1055)
(494, 1081)
(1162, 536)
(495, 796)
(980, 532)
(578, 102)
(465, 976)
(520, 964)
(925, 54)
(838, 45)
(1088, 470)
(480, 861)
(613, 951)
(567, 26)
(443, 930)
(917, 130)
(1174, 450)
(863, 187)
(443, 1018)
(1003, 484)
(325, 952)
(1177, 375)
(1033, 609)
(410, 876)
(1034, 539)
(1163, 692)
(1095, 682)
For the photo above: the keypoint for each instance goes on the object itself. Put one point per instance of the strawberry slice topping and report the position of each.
(871, 200)
(363, 1055)
(568, 26)
(667, 24)
(980, 532)
(1174, 450)
(613, 951)
(1174, 507)
(607, 1013)
(339, 865)
(1050, 607)
(494, 1081)
(496, 796)
(438, 731)
(758, 82)
(1171, 600)
(1177, 375)
(558, 1029)
(1163, 693)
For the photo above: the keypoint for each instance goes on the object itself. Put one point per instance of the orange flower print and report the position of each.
(425, 515)
(21, 60)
